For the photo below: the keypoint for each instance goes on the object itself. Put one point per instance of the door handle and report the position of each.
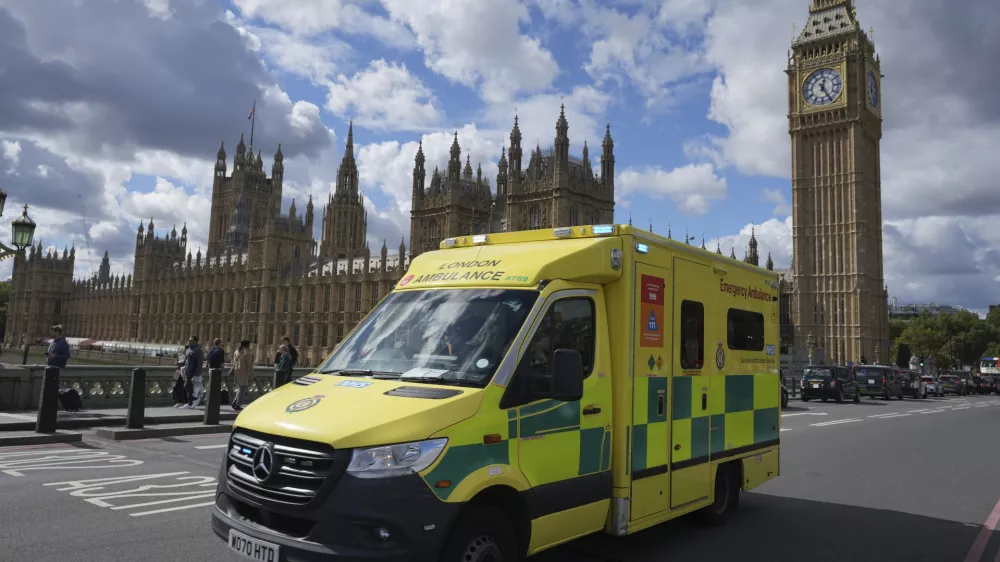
(704, 401)
(591, 410)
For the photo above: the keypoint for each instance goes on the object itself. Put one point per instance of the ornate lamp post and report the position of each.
(810, 345)
(22, 231)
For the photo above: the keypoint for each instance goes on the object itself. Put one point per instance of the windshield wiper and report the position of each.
(361, 373)
(438, 380)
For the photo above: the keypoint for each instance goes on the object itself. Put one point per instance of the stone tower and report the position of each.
(345, 221)
(835, 123)
(245, 202)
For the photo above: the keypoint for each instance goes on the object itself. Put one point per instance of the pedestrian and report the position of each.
(180, 394)
(193, 360)
(242, 371)
(216, 355)
(283, 367)
(58, 352)
(287, 342)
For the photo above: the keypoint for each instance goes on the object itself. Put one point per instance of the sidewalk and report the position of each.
(25, 420)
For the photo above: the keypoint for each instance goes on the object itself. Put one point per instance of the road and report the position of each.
(906, 480)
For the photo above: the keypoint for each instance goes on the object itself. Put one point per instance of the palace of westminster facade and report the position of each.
(264, 276)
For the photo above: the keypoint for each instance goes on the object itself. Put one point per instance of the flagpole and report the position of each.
(253, 119)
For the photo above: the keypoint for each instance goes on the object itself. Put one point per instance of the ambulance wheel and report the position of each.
(727, 497)
(481, 534)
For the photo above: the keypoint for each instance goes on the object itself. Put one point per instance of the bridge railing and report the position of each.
(109, 386)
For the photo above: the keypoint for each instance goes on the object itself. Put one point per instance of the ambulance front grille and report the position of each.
(296, 473)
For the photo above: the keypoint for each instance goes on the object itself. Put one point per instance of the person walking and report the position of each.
(58, 353)
(194, 358)
(180, 394)
(283, 367)
(242, 371)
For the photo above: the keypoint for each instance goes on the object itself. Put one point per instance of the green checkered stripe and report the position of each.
(702, 434)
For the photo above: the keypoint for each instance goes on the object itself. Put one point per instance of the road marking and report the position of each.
(19, 417)
(802, 414)
(213, 446)
(934, 412)
(835, 422)
(918, 411)
(961, 408)
(784, 429)
(894, 416)
(107, 492)
(16, 464)
(976, 552)
(982, 405)
(882, 415)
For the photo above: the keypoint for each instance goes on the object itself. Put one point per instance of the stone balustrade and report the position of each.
(103, 386)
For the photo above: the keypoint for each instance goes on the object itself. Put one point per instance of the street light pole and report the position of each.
(22, 231)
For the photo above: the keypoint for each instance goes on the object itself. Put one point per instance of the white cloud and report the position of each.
(636, 46)
(385, 96)
(781, 205)
(170, 205)
(159, 9)
(478, 44)
(307, 18)
(691, 187)
(11, 154)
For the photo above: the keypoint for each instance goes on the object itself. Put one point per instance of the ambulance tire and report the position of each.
(727, 497)
(481, 534)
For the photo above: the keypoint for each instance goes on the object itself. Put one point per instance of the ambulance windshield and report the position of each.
(443, 336)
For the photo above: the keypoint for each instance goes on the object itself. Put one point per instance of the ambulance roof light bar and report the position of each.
(602, 229)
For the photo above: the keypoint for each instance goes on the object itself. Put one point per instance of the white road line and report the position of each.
(918, 411)
(882, 415)
(19, 417)
(165, 510)
(934, 412)
(159, 502)
(803, 414)
(835, 422)
(785, 429)
(223, 445)
(895, 416)
(961, 408)
(982, 405)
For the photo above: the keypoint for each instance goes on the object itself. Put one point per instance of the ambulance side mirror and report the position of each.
(567, 375)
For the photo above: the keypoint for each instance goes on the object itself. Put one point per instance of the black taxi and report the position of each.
(826, 382)
(878, 380)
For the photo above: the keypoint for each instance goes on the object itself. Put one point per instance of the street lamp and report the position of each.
(810, 344)
(22, 231)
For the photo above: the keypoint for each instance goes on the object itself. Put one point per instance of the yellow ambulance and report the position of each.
(514, 392)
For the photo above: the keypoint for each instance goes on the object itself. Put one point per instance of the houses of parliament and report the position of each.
(264, 276)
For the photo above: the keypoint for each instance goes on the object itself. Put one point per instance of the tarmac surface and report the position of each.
(909, 480)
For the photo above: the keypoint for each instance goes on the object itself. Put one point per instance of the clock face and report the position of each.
(872, 90)
(822, 87)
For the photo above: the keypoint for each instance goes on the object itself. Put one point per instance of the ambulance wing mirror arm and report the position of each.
(567, 375)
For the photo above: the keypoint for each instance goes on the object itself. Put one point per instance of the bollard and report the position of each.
(24, 361)
(214, 397)
(136, 400)
(48, 403)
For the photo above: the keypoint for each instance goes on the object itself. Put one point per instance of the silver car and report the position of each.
(931, 386)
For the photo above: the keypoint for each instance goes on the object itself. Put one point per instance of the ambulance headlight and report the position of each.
(395, 460)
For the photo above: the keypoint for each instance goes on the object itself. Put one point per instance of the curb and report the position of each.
(87, 423)
(115, 434)
(40, 439)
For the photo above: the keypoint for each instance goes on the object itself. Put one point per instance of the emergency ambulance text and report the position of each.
(745, 292)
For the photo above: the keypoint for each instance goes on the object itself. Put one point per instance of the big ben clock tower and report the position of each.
(835, 123)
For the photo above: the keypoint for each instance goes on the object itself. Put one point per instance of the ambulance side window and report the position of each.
(745, 330)
(692, 335)
(569, 324)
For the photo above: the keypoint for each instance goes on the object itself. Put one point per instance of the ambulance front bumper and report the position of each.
(391, 519)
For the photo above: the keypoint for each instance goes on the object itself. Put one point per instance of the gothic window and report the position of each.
(340, 332)
(287, 294)
(325, 342)
(357, 298)
(298, 252)
(309, 336)
(298, 299)
(312, 299)
(535, 217)
(274, 301)
(595, 217)
(574, 215)
(342, 306)
(374, 298)
(326, 300)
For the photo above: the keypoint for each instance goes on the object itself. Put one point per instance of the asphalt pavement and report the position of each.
(909, 480)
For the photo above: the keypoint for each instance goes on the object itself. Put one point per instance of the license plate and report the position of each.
(815, 386)
(871, 381)
(251, 548)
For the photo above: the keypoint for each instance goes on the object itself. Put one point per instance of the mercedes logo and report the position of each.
(263, 462)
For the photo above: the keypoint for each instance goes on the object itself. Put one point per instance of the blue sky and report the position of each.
(695, 92)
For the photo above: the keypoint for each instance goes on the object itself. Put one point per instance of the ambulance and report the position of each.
(514, 392)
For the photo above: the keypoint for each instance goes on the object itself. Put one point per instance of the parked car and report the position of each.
(931, 386)
(981, 385)
(913, 386)
(878, 380)
(994, 383)
(951, 384)
(827, 382)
